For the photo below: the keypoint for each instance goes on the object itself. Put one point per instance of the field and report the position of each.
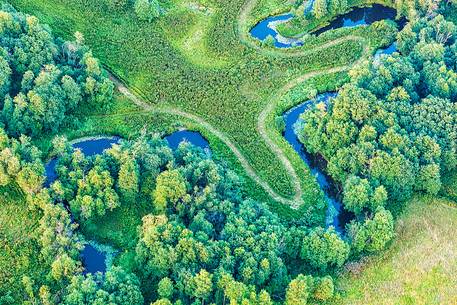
(419, 268)
(232, 98)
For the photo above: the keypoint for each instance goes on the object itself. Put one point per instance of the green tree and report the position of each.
(298, 290)
(202, 285)
(374, 234)
(147, 10)
(324, 249)
(170, 188)
(165, 288)
(320, 8)
(323, 289)
(357, 193)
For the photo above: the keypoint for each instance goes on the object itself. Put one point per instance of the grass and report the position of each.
(419, 268)
(19, 248)
(192, 59)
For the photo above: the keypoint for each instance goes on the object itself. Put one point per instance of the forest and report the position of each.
(247, 221)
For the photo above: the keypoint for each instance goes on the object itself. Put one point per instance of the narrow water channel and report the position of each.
(93, 260)
(335, 213)
(357, 16)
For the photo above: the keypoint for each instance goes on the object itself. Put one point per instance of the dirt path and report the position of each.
(262, 125)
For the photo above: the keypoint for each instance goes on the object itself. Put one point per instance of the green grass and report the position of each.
(419, 268)
(19, 248)
(119, 227)
(193, 59)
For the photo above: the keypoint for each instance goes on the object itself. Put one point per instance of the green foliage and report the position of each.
(19, 246)
(298, 290)
(147, 10)
(324, 249)
(324, 289)
(114, 287)
(239, 89)
(170, 188)
(165, 288)
(206, 241)
(388, 133)
(51, 77)
(320, 8)
(359, 195)
(20, 163)
(372, 235)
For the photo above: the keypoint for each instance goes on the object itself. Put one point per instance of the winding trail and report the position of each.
(262, 125)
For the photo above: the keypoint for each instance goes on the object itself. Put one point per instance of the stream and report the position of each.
(357, 16)
(336, 215)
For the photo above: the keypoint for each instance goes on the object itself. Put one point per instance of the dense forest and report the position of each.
(390, 133)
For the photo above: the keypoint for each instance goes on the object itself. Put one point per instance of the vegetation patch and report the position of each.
(419, 267)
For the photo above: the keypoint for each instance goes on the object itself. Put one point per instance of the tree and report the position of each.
(95, 194)
(116, 287)
(429, 179)
(128, 179)
(372, 235)
(298, 290)
(64, 267)
(5, 78)
(324, 249)
(147, 10)
(165, 288)
(49, 77)
(170, 188)
(202, 285)
(357, 193)
(323, 289)
(320, 8)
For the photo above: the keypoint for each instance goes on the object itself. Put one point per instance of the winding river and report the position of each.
(93, 259)
(357, 16)
(292, 122)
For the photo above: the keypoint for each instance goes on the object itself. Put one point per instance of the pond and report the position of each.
(362, 16)
(336, 216)
(93, 260)
(193, 137)
(95, 146)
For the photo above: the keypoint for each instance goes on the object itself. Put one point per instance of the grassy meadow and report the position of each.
(420, 267)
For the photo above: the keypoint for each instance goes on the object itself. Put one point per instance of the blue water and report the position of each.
(193, 137)
(292, 120)
(89, 147)
(94, 147)
(357, 16)
(93, 260)
(262, 30)
(362, 16)
(387, 51)
(308, 7)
